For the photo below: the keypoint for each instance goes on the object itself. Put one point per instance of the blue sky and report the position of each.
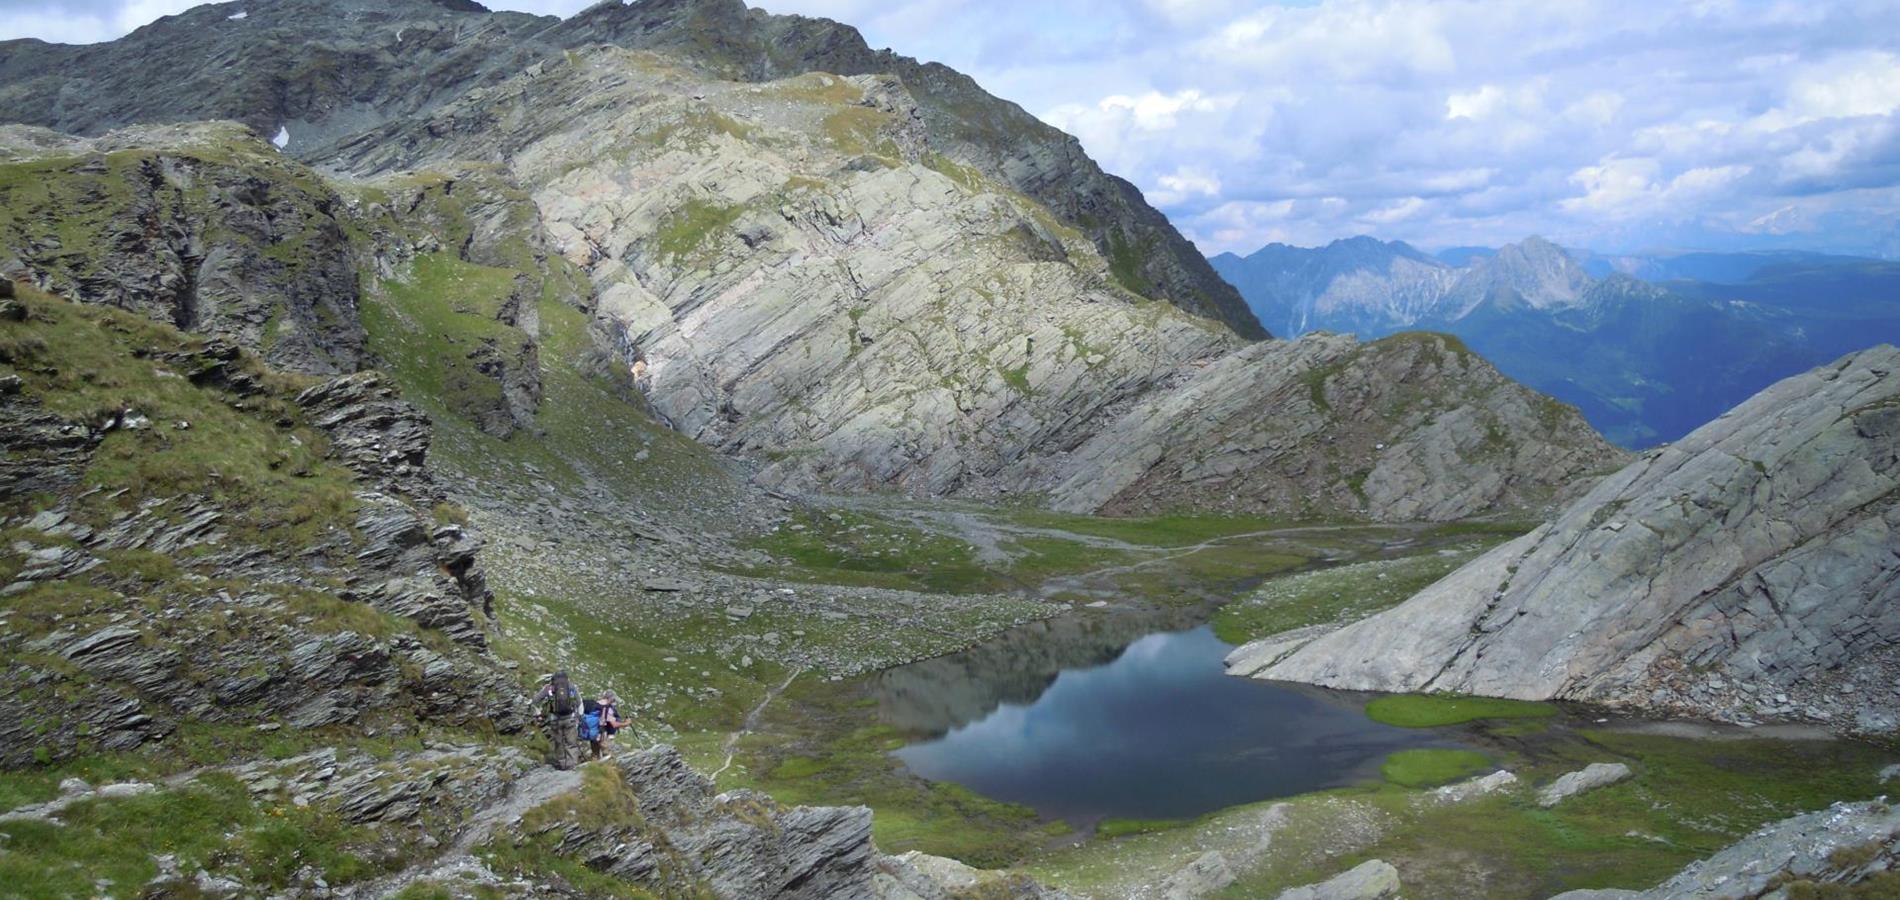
(1611, 124)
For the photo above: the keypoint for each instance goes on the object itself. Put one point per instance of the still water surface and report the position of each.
(1158, 731)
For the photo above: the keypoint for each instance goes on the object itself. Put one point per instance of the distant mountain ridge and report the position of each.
(1649, 346)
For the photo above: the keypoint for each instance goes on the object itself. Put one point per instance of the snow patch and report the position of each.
(282, 139)
(239, 16)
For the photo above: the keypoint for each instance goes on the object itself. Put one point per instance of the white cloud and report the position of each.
(1183, 183)
(1847, 86)
(1397, 212)
(1617, 188)
(1152, 111)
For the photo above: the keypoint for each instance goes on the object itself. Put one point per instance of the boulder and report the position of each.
(1371, 880)
(1208, 873)
(1584, 780)
(1482, 786)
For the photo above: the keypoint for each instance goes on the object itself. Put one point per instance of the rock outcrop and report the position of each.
(207, 558)
(421, 569)
(1413, 427)
(1849, 844)
(1747, 572)
(200, 226)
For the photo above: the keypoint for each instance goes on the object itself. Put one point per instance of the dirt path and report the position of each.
(731, 746)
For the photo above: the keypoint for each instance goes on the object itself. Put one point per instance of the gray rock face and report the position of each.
(200, 226)
(1842, 845)
(1414, 427)
(811, 283)
(1745, 572)
(1582, 781)
(380, 436)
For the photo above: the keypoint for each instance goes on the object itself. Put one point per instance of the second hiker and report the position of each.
(599, 720)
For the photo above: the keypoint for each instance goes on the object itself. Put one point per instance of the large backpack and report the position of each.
(564, 699)
(590, 727)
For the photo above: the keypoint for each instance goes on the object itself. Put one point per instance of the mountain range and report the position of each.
(1648, 346)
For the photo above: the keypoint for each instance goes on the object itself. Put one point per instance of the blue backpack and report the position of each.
(590, 727)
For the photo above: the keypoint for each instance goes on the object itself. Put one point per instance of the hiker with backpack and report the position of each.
(560, 706)
(599, 720)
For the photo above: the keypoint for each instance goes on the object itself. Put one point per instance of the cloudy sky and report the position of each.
(1612, 124)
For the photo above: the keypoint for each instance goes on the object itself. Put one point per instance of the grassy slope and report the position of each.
(265, 467)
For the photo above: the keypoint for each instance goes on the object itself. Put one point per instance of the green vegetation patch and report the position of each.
(210, 823)
(858, 131)
(692, 225)
(1125, 260)
(1434, 710)
(860, 548)
(254, 456)
(1689, 799)
(436, 325)
(1432, 342)
(1018, 379)
(1343, 594)
(966, 177)
(632, 654)
(1154, 531)
(1432, 767)
(815, 87)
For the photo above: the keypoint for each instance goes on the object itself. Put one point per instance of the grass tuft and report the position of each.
(1432, 767)
(1434, 710)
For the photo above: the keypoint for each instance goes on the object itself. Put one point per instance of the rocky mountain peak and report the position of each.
(1371, 251)
(1533, 271)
